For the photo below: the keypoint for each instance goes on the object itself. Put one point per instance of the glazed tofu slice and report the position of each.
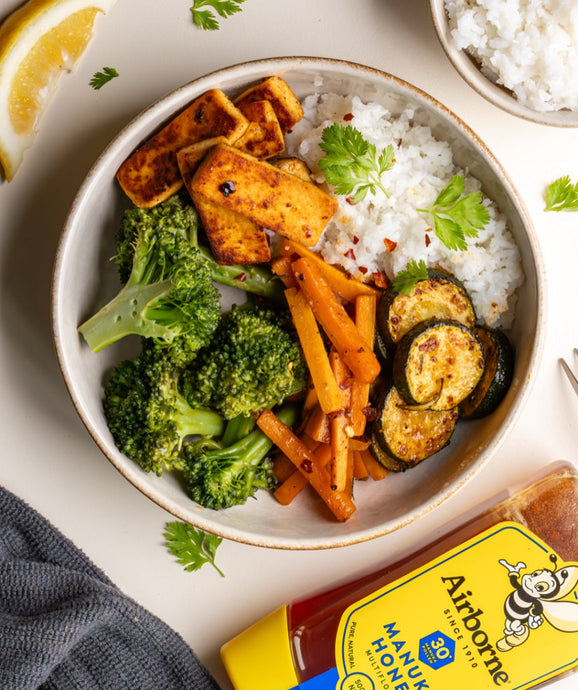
(190, 157)
(275, 90)
(268, 196)
(234, 239)
(263, 137)
(151, 174)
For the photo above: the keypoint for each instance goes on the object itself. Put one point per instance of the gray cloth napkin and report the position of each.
(65, 626)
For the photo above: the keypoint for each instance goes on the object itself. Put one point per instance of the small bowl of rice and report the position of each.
(521, 55)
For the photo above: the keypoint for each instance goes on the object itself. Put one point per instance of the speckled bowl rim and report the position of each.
(171, 103)
(494, 93)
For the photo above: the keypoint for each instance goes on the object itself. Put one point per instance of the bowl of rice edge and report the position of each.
(521, 56)
(433, 144)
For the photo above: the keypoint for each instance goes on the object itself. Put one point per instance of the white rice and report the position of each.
(528, 46)
(356, 236)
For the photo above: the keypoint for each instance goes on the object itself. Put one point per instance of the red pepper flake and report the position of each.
(390, 245)
(307, 466)
(348, 117)
(350, 254)
(427, 240)
(334, 414)
(362, 269)
(380, 280)
(241, 277)
(350, 201)
(355, 239)
(370, 413)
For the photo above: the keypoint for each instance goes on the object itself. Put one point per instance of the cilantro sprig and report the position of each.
(406, 279)
(99, 79)
(562, 195)
(207, 19)
(352, 164)
(192, 547)
(457, 217)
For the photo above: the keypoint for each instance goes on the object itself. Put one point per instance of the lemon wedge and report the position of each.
(38, 43)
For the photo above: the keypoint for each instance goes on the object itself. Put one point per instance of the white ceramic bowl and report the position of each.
(470, 71)
(84, 279)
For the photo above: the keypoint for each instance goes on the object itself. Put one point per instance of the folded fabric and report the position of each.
(65, 626)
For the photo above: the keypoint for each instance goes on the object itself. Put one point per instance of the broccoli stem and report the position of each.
(126, 314)
(254, 279)
(253, 447)
(196, 421)
(237, 428)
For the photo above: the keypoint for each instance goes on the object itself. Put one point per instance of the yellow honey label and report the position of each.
(500, 610)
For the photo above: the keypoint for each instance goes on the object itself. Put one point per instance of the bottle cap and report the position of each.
(260, 657)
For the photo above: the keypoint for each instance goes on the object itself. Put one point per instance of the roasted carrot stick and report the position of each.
(281, 266)
(292, 481)
(317, 425)
(342, 284)
(338, 326)
(375, 469)
(360, 471)
(365, 316)
(340, 503)
(288, 490)
(340, 427)
(314, 351)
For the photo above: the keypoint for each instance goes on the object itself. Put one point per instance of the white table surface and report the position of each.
(48, 458)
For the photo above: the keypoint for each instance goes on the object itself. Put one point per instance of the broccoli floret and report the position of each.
(172, 216)
(168, 295)
(253, 361)
(220, 476)
(146, 414)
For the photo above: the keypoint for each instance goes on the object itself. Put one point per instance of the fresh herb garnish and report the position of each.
(99, 79)
(351, 164)
(405, 280)
(206, 19)
(562, 195)
(192, 547)
(456, 216)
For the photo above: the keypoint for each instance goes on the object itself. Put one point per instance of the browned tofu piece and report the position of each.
(263, 137)
(151, 174)
(189, 157)
(294, 166)
(275, 90)
(269, 197)
(234, 239)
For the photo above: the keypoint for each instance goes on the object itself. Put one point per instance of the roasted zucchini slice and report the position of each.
(497, 376)
(437, 364)
(401, 437)
(381, 351)
(440, 296)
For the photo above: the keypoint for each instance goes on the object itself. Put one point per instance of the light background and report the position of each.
(48, 458)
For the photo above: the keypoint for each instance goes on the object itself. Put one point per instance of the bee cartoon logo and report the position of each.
(537, 597)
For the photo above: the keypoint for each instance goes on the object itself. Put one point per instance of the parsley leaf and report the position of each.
(99, 79)
(351, 164)
(192, 547)
(562, 195)
(405, 280)
(206, 19)
(457, 217)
